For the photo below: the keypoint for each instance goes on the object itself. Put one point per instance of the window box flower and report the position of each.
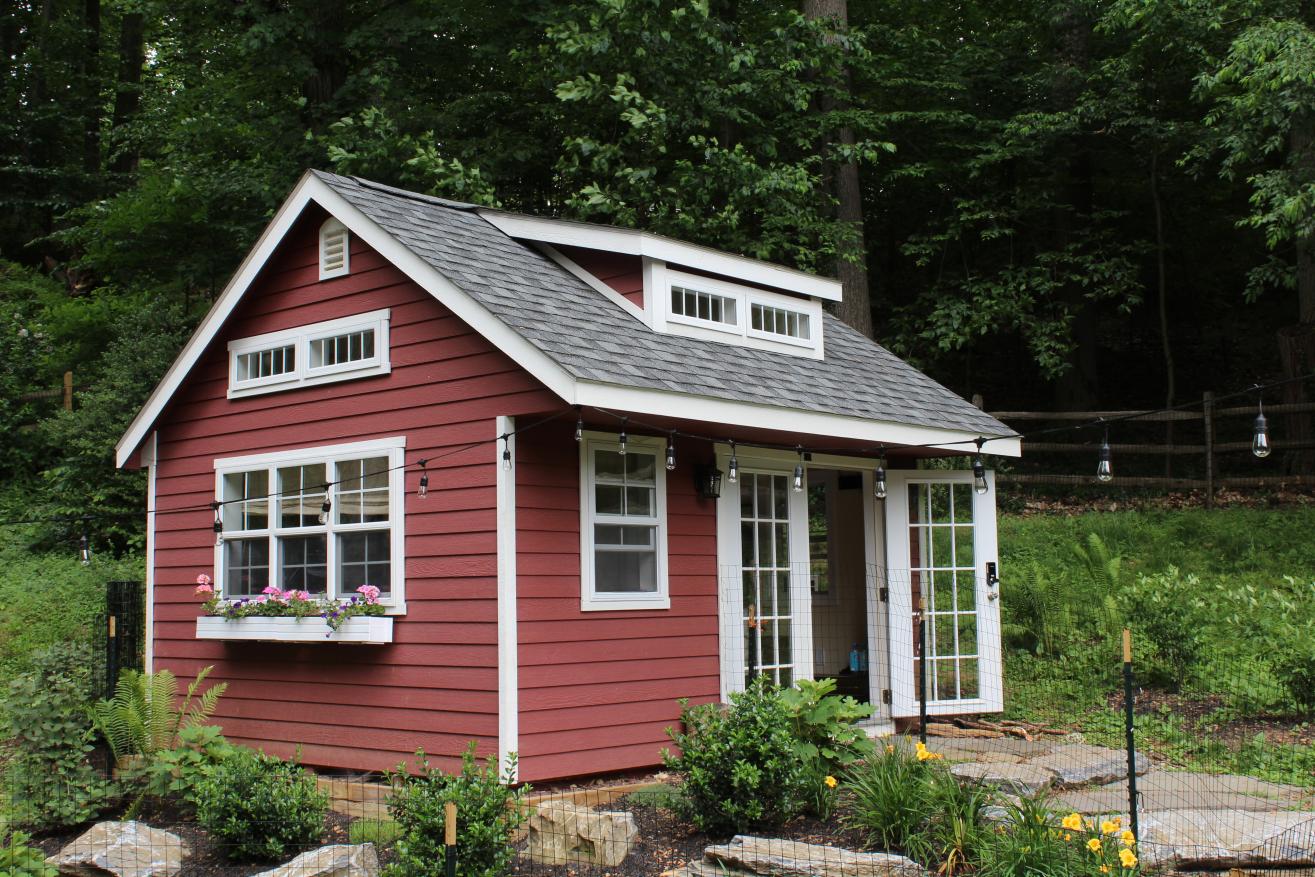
(293, 616)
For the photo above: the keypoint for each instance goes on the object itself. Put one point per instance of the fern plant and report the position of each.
(144, 717)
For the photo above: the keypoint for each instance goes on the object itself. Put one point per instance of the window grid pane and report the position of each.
(780, 321)
(625, 555)
(942, 569)
(340, 349)
(699, 304)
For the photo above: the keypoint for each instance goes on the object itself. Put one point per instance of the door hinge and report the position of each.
(885, 695)
(884, 595)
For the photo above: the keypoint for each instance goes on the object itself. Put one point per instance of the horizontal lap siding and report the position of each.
(346, 706)
(599, 689)
(622, 272)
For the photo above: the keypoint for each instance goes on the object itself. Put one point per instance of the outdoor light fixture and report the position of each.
(707, 481)
(733, 475)
(979, 469)
(1104, 471)
(579, 425)
(324, 508)
(879, 478)
(424, 481)
(1260, 440)
(506, 453)
(219, 525)
(621, 439)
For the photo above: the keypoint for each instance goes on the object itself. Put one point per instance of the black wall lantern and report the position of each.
(707, 480)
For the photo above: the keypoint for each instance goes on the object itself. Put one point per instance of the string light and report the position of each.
(671, 451)
(218, 525)
(579, 425)
(733, 467)
(1104, 470)
(423, 492)
(506, 452)
(799, 470)
(325, 506)
(879, 477)
(1260, 439)
(84, 545)
(979, 469)
(621, 439)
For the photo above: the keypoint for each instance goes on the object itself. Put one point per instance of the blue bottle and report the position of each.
(853, 659)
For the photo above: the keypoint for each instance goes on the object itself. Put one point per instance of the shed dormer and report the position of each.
(679, 288)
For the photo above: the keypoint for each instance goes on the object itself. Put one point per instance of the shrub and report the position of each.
(951, 841)
(1027, 843)
(144, 716)
(488, 814)
(1167, 612)
(826, 738)
(50, 781)
(19, 859)
(180, 770)
(260, 807)
(739, 765)
(892, 800)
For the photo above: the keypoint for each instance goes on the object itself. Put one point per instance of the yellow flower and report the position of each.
(1104, 869)
(1094, 845)
(1068, 836)
(1128, 837)
(830, 782)
(1073, 822)
(1109, 827)
(1127, 859)
(923, 754)
(890, 748)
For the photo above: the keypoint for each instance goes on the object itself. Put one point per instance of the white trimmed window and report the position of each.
(335, 350)
(273, 532)
(623, 524)
(777, 322)
(720, 310)
(335, 249)
(704, 306)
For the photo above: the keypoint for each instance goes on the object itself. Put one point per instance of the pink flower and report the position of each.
(204, 589)
(260, 599)
(299, 595)
(203, 579)
(369, 592)
(272, 590)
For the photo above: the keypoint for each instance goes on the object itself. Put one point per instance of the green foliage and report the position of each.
(1026, 844)
(49, 778)
(383, 833)
(179, 770)
(659, 795)
(18, 858)
(827, 739)
(1167, 614)
(892, 798)
(488, 814)
(739, 765)
(260, 808)
(144, 716)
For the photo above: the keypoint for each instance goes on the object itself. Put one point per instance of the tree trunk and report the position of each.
(1296, 344)
(128, 89)
(855, 309)
(92, 111)
(1162, 288)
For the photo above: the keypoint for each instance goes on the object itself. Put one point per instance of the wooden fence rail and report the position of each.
(1204, 447)
(64, 392)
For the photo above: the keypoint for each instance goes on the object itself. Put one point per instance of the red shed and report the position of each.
(589, 470)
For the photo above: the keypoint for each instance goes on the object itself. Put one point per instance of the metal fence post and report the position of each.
(1128, 720)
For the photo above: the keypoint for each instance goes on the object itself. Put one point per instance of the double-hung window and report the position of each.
(623, 524)
(323, 520)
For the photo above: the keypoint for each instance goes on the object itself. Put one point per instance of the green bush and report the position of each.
(1027, 843)
(739, 764)
(826, 738)
(891, 797)
(259, 807)
(18, 858)
(50, 781)
(488, 813)
(179, 771)
(145, 716)
(1168, 616)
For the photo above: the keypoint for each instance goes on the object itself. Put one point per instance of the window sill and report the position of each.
(371, 629)
(652, 604)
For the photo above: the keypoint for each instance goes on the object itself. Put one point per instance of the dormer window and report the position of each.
(335, 350)
(769, 320)
(704, 306)
(719, 309)
(335, 252)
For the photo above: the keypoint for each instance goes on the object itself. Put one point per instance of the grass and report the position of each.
(380, 832)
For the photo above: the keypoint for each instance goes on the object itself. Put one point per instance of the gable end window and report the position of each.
(335, 253)
(623, 524)
(273, 533)
(335, 350)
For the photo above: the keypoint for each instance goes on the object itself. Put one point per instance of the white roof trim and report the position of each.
(639, 400)
(642, 243)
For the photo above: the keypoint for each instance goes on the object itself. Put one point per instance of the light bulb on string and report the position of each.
(979, 470)
(423, 492)
(1104, 469)
(84, 545)
(733, 467)
(218, 525)
(506, 452)
(325, 506)
(579, 425)
(1260, 437)
(671, 451)
(621, 439)
(879, 477)
(799, 471)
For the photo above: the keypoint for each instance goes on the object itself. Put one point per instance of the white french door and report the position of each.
(941, 560)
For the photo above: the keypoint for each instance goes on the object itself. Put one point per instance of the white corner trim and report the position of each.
(641, 243)
(150, 456)
(596, 284)
(508, 642)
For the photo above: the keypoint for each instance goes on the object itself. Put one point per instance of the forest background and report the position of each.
(1054, 203)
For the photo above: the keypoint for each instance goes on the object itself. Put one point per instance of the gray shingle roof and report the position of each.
(594, 339)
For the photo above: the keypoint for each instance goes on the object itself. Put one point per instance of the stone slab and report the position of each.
(787, 858)
(564, 833)
(1004, 745)
(336, 860)
(1222, 839)
(1018, 779)
(1077, 764)
(122, 849)
(1175, 790)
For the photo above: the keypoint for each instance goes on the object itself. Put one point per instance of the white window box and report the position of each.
(360, 629)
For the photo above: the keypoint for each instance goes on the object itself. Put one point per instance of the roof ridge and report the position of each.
(401, 193)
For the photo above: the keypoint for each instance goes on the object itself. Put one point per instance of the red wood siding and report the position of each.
(436, 686)
(622, 272)
(598, 689)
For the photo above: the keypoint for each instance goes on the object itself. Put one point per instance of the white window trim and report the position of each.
(300, 339)
(721, 288)
(590, 600)
(773, 302)
(394, 448)
(332, 226)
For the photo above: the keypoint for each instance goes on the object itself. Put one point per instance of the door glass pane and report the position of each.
(765, 549)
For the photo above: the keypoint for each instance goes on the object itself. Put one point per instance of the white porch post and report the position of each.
(508, 668)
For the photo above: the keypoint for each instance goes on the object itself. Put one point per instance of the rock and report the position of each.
(337, 860)
(1221, 839)
(787, 858)
(1180, 790)
(562, 833)
(1018, 779)
(123, 849)
(1078, 764)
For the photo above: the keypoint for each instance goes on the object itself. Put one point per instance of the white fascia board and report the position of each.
(310, 188)
(640, 243)
(748, 414)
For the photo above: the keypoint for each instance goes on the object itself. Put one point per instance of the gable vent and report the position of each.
(334, 252)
